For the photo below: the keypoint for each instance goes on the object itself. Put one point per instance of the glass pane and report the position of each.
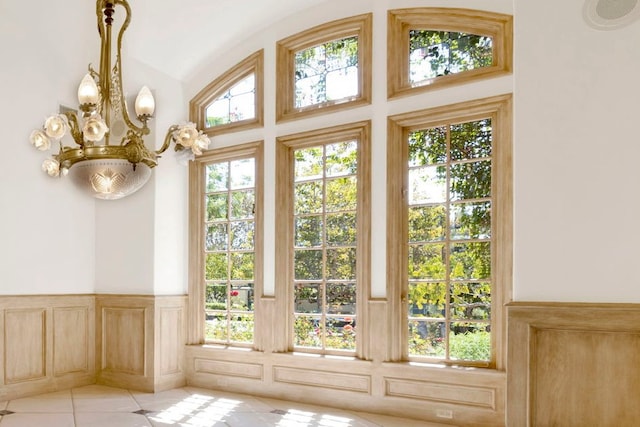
(471, 301)
(471, 260)
(241, 297)
(242, 107)
(341, 333)
(215, 327)
(243, 173)
(341, 194)
(242, 204)
(426, 261)
(427, 224)
(341, 158)
(216, 237)
(326, 72)
(471, 180)
(308, 264)
(217, 177)
(307, 331)
(308, 197)
(308, 231)
(341, 298)
(241, 328)
(428, 147)
(427, 185)
(341, 229)
(218, 112)
(471, 220)
(471, 140)
(242, 266)
(217, 207)
(341, 264)
(427, 299)
(307, 298)
(216, 267)
(308, 163)
(427, 338)
(470, 341)
(242, 235)
(215, 296)
(439, 53)
(246, 85)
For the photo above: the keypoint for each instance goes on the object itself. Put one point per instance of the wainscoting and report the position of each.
(447, 395)
(573, 365)
(56, 342)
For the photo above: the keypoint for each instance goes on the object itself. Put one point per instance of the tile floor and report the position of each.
(98, 406)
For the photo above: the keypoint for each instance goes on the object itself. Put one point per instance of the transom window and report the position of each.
(325, 68)
(236, 104)
(434, 47)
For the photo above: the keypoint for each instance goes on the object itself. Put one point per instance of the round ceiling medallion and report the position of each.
(611, 14)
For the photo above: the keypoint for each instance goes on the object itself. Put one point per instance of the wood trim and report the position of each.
(360, 26)
(253, 64)
(500, 109)
(400, 21)
(585, 354)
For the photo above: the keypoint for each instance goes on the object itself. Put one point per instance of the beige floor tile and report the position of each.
(109, 403)
(34, 420)
(37, 404)
(111, 419)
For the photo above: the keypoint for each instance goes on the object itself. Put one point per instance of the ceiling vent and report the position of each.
(611, 14)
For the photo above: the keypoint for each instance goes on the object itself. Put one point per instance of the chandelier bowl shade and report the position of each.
(109, 179)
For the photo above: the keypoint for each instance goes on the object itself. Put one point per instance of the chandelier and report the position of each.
(109, 159)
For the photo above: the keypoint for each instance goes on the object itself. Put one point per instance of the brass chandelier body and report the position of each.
(111, 169)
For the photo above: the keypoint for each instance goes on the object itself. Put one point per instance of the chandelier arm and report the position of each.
(75, 130)
(167, 139)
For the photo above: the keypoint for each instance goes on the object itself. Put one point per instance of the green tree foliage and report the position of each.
(439, 53)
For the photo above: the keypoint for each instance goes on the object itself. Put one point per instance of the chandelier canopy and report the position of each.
(109, 158)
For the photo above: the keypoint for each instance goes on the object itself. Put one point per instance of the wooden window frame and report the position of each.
(197, 210)
(360, 26)
(285, 146)
(400, 21)
(253, 64)
(498, 108)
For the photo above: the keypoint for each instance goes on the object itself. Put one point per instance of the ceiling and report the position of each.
(175, 36)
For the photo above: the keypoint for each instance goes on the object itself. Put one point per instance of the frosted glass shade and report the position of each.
(145, 104)
(109, 179)
(88, 92)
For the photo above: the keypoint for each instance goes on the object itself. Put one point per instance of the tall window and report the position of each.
(326, 235)
(228, 197)
(324, 68)
(434, 47)
(452, 208)
(233, 101)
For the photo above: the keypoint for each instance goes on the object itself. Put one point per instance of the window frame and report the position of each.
(401, 21)
(499, 109)
(285, 147)
(253, 64)
(197, 282)
(360, 26)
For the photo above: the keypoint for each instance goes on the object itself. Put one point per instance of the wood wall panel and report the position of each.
(123, 340)
(71, 340)
(324, 379)
(233, 369)
(25, 344)
(170, 328)
(573, 364)
(482, 397)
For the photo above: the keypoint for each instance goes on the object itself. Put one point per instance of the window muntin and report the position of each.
(440, 53)
(449, 241)
(326, 72)
(234, 101)
(229, 228)
(429, 48)
(324, 69)
(325, 198)
(236, 104)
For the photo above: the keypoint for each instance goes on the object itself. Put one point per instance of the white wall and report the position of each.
(46, 227)
(577, 98)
